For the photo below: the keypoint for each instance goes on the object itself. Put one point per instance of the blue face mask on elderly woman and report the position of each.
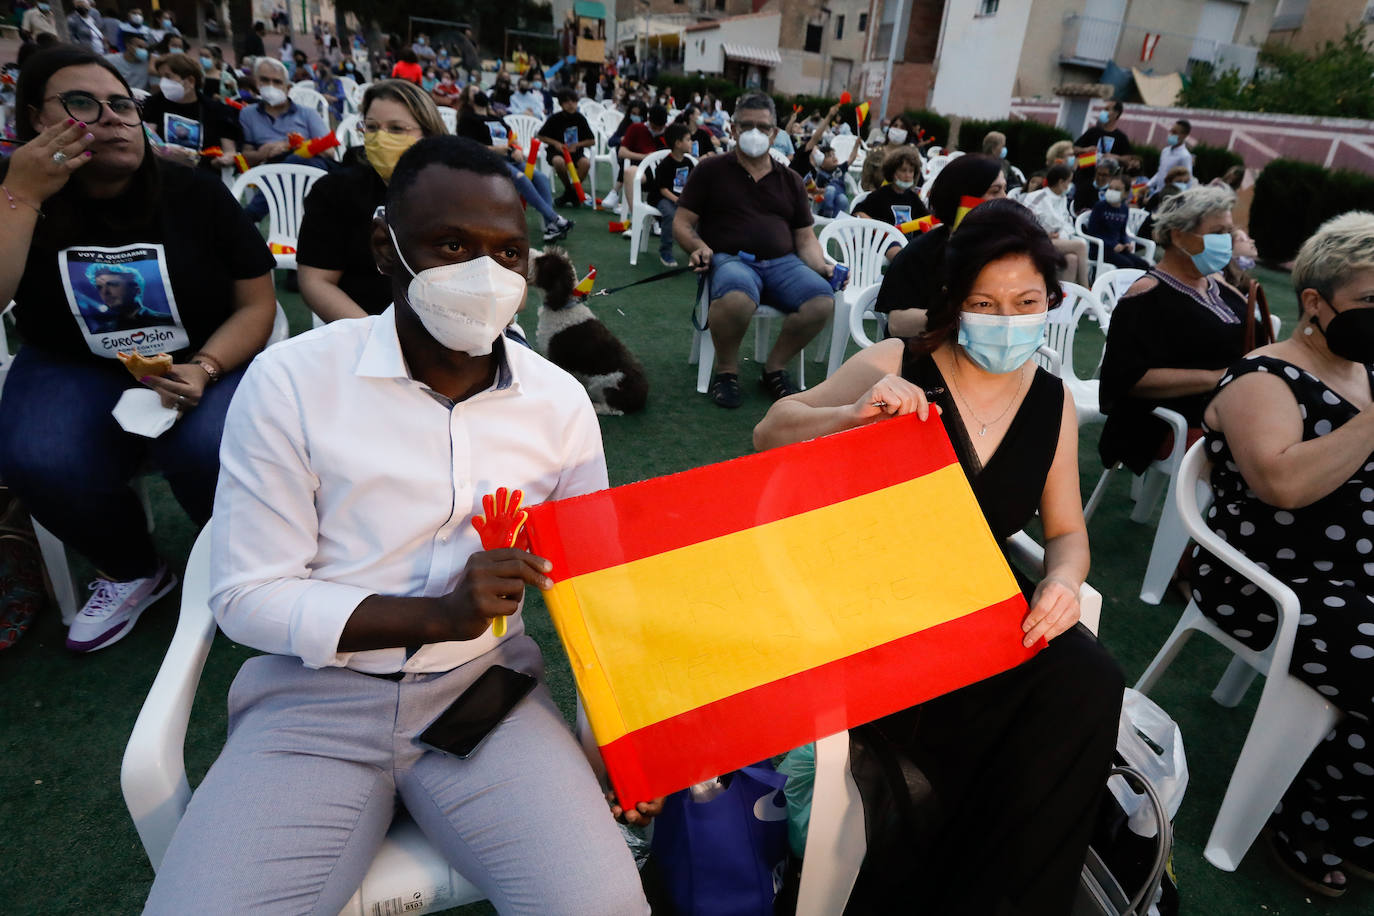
(1001, 343)
(1215, 253)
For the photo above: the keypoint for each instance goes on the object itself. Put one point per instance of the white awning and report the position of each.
(766, 57)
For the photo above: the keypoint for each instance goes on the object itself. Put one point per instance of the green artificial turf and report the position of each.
(71, 848)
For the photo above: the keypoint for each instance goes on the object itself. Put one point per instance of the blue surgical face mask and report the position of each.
(1215, 253)
(1181, 185)
(1172, 140)
(1103, 117)
(140, 53)
(1001, 343)
(1244, 262)
(207, 63)
(903, 185)
(1002, 153)
(636, 119)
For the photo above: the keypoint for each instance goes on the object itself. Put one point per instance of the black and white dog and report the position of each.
(575, 339)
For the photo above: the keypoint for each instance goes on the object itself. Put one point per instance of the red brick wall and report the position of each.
(911, 85)
(923, 35)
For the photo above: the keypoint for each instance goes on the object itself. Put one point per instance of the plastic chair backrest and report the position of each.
(858, 199)
(842, 145)
(355, 96)
(450, 118)
(350, 86)
(609, 121)
(526, 128)
(779, 155)
(1136, 219)
(646, 167)
(862, 245)
(306, 96)
(1111, 285)
(350, 131)
(589, 107)
(1062, 324)
(284, 187)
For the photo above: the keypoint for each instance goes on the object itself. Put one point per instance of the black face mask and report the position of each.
(1350, 335)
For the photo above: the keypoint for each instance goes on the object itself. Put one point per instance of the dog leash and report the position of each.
(655, 278)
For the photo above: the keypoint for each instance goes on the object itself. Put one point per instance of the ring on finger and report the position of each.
(59, 157)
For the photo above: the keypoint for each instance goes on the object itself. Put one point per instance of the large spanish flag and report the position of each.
(719, 616)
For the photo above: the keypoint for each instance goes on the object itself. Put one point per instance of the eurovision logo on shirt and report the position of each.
(121, 299)
(732, 612)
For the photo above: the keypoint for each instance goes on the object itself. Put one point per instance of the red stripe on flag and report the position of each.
(970, 202)
(643, 519)
(775, 717)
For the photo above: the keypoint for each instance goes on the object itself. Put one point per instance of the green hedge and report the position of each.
(1212, 162)
(1293, 198)
(1149, 158)
(1027, 141)
(931, 123)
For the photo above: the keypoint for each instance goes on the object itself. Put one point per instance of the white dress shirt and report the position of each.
(1051, 211)
(342, 477)
(530, 103)
(1171, 157)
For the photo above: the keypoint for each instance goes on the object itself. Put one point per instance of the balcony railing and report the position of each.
(1092, 42)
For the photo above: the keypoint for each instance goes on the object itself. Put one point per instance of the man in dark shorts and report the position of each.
(744, 219)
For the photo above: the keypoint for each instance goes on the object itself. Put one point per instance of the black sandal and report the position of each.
(1310, 870)
(778, 384)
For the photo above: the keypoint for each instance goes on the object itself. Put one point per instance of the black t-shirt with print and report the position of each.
(336, 233)
(889, 201)
(210, 123)
(670, 174)
(560, 126)
(165, 287)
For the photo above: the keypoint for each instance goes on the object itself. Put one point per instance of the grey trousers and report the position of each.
(292, 813)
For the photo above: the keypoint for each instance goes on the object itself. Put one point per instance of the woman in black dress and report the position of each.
(1015, 763)
(1290, 433)
(1175, 331)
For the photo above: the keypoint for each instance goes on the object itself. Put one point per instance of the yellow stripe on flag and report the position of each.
(778, 599)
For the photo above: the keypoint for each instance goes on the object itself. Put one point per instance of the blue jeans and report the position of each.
(785, 283)
(536, 191)
(64, 455)
(665, 225)
(835, 201)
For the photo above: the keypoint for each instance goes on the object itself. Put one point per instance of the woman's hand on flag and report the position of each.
(892, 396)
(1054, 609)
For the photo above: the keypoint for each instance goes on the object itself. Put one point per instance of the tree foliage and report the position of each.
(1336, 81)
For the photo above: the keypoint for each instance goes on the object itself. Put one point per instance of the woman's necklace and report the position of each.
(984, 424)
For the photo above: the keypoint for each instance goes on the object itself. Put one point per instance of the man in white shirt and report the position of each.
(527, 101)
(355, 458)
(1174, 155)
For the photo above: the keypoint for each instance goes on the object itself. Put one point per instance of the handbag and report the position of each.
(1099, 891)
(724, 856)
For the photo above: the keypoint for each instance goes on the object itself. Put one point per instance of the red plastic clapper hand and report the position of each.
(502, 526)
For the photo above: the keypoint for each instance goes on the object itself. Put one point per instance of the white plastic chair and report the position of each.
(861, 245)
(599, 153)
(843, 144)
(5, 357)
(863, 311)
(589, 108)
(1291, 719)
(641, 213)
(1134, 221)
(450, 118)
(1111, 285)
(65, 588)
(350, 131)
(285, 187)
(704, 349)
(355, 96)
(526, 128)
(350, 92)
(858, 199)
(156, 790)
(306, 95)
(835, 838)
(1061, 329)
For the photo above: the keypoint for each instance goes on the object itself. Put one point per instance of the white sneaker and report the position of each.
(114, 608)
(610, 201)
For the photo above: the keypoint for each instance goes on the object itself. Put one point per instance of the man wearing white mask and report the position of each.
(343, 545)
(266, 125)
(746, 221)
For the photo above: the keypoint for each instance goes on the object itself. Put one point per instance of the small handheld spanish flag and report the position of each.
(572, 176)
(861, 114)
(240, 163)
(583, 289)
(1087, 160)
(212, 152)
(316, 145)
(920, 224)
(965, 205)
(617, 227)
(279, 248)
(530, 159)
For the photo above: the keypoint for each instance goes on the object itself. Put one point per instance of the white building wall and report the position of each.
(978, 59)
(704, 49)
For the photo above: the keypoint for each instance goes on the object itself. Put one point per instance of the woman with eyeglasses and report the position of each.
(1175, 331)
(104, 249)
(334, 251)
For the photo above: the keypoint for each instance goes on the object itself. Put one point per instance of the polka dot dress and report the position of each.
(1325, 553)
